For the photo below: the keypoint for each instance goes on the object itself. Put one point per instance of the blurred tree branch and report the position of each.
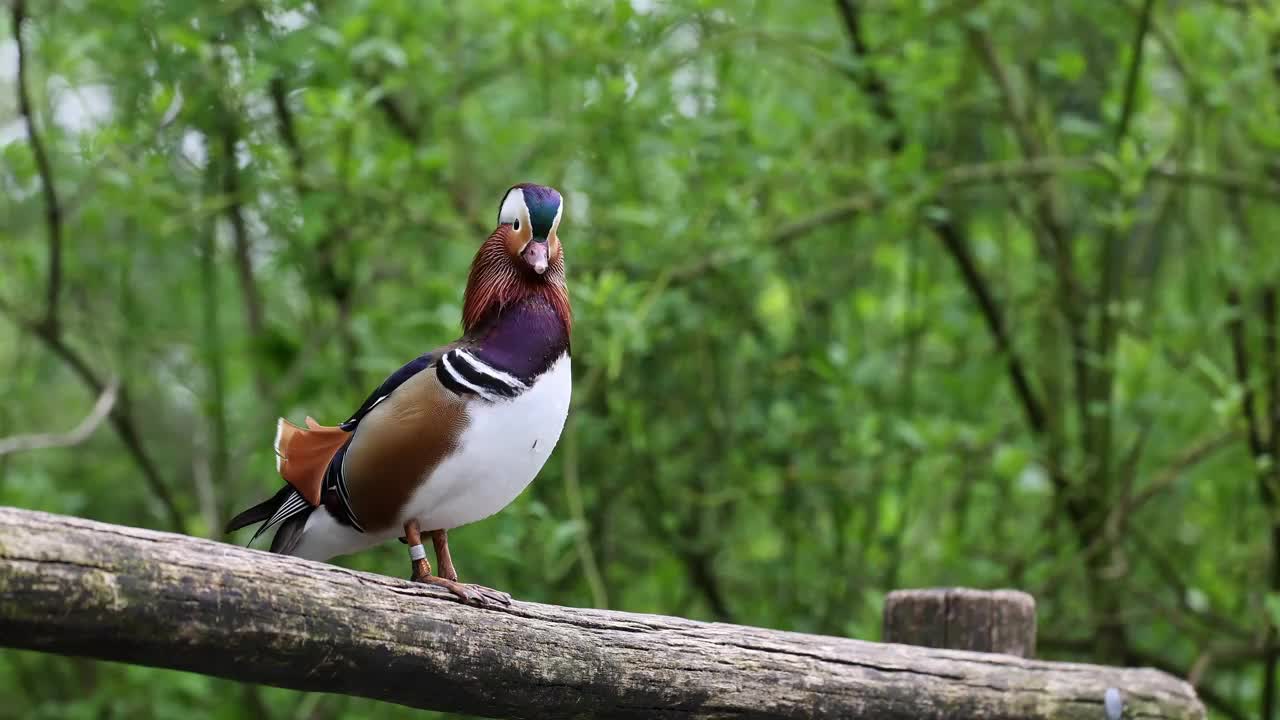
(1070, 295)
(868, 80)
(53, 210)
(40, 441)
(1089, 361)
(1135, 70)
(116, 157)
(1040, 167)
(573, 494)
(1240, 358)
(242, 245)
(952, 236)
(1165, 478)
(337, 285)
(288, 131)
(398, 118)
(1263, 447)
(49, 329)
(686, 544)
(1211, 625)
(215, 405)
(121, 415)
(963, 177)
(1014, 107)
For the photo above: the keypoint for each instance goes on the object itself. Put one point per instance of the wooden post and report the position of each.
(992, 621)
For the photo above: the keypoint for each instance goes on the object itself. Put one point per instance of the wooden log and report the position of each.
(79, 587)
(993, 621)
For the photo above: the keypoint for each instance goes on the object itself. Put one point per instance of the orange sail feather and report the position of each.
(303, 455)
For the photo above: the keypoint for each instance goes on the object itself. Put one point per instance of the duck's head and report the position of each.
(529, 216)
(522, 257)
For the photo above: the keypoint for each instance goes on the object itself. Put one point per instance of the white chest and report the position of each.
(504, 446)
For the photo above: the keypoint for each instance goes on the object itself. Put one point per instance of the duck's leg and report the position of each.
(440, 538)
(473, 594)
(417, 554)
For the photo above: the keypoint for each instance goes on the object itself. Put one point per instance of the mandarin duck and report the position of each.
(454, 435)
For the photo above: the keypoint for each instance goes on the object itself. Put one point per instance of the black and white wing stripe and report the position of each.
(335, 482)
(292, 505)
(465, 374)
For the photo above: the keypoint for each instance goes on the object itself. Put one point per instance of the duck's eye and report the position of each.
(515, 224)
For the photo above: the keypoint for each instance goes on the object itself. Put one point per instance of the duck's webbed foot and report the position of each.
(477, 595)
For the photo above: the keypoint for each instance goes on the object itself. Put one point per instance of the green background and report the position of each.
(982, 293)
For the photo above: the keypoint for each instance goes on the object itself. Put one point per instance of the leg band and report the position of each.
(417, 552)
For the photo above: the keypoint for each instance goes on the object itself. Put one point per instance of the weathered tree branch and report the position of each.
(79, 587)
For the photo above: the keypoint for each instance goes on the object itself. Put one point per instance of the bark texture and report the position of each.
(79, 587)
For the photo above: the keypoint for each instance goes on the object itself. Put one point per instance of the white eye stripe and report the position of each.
(513, 209)
(556, 222)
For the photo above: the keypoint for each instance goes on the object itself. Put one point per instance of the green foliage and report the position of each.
(789, 398)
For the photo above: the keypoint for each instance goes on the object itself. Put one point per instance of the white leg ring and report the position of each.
(417, 552)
